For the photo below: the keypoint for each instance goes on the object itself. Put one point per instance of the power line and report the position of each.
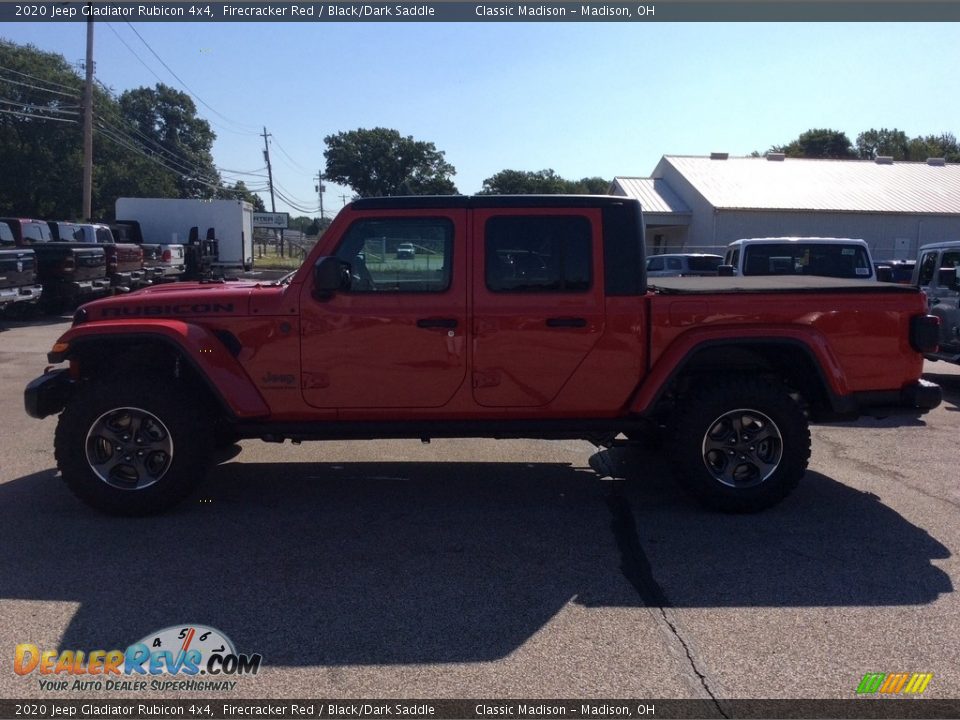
(29, 106)
(38, 117)
(38, 79)
(73, 96)
(186, 87)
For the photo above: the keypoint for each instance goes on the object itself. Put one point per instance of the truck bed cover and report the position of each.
(770, 284)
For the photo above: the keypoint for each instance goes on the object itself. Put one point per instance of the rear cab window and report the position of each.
(822, 259)
(6, 236)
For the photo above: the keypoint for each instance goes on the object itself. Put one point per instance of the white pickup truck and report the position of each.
(846, 258)
(938, 275)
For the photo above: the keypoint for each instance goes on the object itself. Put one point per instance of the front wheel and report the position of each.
(126, 450)
(742, 445)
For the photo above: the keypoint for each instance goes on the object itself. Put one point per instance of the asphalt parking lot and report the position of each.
(499, 569)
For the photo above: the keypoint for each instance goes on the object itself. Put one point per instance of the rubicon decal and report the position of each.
(180, 650)
(158, 310)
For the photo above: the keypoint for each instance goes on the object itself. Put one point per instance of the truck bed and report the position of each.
(767, 284)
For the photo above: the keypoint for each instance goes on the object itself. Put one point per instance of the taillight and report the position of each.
(167, 256)
(925, 333)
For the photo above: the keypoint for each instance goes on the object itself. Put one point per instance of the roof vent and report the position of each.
(883, 159)
(776, 157)
(719, 156)
(937, 162)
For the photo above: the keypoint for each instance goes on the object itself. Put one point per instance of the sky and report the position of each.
(585, 99)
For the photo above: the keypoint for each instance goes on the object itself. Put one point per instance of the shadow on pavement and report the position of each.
(950, 383)
(386, 563)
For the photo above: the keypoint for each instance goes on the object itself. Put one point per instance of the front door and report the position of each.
(396, 338)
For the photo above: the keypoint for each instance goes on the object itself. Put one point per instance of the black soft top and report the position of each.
(487, 201)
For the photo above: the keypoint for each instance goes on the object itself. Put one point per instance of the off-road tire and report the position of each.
(97, 408)
(711, 444)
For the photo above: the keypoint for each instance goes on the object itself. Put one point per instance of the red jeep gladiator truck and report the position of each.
(516, 316)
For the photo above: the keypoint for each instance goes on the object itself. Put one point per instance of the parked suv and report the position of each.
(829, 257)
(938, 275)
(683, 265)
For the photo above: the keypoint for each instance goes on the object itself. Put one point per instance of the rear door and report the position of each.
(537, 301)
(397, 337)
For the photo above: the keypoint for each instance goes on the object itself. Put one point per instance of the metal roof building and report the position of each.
(701, 204)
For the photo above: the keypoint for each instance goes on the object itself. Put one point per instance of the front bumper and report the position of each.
(28, 293)
(48, 394)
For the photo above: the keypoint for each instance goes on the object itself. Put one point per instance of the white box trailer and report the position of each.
(170, 220)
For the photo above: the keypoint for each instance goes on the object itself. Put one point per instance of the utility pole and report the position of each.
(273, 203)
(320, 189)
(88, 126)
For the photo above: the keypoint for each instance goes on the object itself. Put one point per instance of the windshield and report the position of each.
(830, 260)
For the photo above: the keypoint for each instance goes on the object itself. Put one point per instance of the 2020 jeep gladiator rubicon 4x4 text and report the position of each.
(517, 317)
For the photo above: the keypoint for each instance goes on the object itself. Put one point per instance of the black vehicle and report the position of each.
(69, 271)
(18, 273)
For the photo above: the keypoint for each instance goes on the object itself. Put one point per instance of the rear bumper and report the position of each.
(48, 394)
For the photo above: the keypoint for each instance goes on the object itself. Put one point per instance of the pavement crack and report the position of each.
(637, 570)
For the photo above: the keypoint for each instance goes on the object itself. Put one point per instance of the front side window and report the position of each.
(538, 253)
(928, 266)
(655, 264)
(6, 235)
(407, 255)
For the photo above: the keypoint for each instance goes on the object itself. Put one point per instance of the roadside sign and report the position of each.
(271, 220)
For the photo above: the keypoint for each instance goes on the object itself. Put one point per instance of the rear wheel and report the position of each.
(741, 446)
(127, 451)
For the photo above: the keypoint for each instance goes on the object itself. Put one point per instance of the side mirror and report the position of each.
(725, 270)
(330, 275)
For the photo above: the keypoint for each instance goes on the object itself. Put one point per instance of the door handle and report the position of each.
(437, 322)
(566, 322)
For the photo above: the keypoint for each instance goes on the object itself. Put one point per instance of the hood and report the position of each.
(177, 300)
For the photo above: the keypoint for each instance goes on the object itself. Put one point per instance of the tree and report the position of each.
(239, 191)
(874, 143)
(169, 129)
(938, 146)
(818, 143)
(40, 134)
(380, 162)
(541, 182)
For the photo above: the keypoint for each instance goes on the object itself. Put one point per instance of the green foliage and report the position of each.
(239, 191)
(874, 143)
(149, 142)
(934, 146)
(818, 143)
(41, 146)
(381, 162)
(541, 182)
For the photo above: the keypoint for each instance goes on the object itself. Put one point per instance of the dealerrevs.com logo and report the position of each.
(178, 658)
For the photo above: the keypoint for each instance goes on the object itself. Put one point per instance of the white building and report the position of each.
(700, 204)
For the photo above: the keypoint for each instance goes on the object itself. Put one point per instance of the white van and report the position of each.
(830, 257)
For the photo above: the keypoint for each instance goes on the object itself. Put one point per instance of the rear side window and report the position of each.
(538, 253)
(6, 235)
(948, 270)
(674, 264)
(655, 264)
(377, 251)
(104, 235)
(829, 260)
